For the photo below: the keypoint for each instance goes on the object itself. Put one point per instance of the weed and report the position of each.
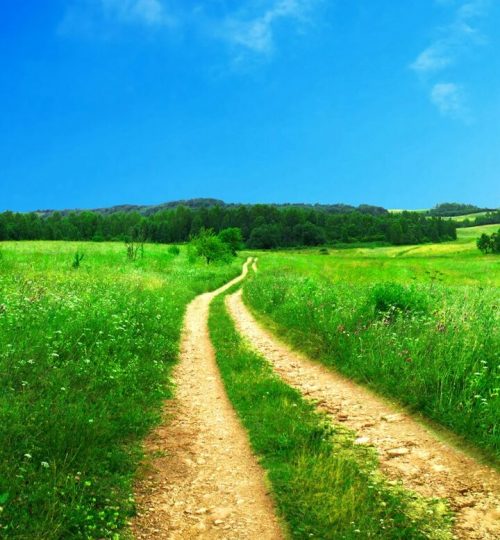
(134, 249)
(388, 298)
(77, 259)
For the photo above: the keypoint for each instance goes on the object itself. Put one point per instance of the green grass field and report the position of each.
(469, 216)
(84, 366)
(418, 324)
(453, 263)
(87, 353)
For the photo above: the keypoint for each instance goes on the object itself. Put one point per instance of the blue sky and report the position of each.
(395, 103)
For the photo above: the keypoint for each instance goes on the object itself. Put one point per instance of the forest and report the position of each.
(262, 226)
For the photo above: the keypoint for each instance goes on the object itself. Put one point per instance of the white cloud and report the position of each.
(449, 98)
(148, 12)
(455, 38)
(249, 28)
(255, 32)
(95, 17)
(434, 58)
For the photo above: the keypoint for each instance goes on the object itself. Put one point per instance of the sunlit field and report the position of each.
(453, 263)
(418, 324)
(84, 366)
(88, 344)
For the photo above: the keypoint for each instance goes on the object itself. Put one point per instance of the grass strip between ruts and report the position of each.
(324, 486)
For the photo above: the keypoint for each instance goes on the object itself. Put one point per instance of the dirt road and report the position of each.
(407, 450)
(202, 480)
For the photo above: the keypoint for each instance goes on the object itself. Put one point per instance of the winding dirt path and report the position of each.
(407, 450)
(202, 480)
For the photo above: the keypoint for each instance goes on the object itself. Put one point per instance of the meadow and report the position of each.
(88, 344)
(84, 367)
(417, 324)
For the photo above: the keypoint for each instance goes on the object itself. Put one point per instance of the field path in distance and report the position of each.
(203, 480)
(407, 450)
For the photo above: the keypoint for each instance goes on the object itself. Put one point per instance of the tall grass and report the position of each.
(435, 348)
(325, 487)
(85, 359)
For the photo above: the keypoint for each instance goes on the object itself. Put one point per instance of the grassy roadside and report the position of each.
(324, 486)
(435, 350)
(84, 367)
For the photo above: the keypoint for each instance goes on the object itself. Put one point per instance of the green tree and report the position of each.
(209, 246)
(309, 234)
(495, 242)
(265, 237)
(233, 238)
(484, 243)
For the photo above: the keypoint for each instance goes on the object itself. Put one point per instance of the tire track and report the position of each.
(202, 480)
(407, 450)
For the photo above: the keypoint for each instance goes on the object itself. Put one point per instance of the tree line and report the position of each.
(490, 218)
(262, 226)
(456, 209)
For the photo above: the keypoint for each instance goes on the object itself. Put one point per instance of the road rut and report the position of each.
(203, 480)
(407, 450)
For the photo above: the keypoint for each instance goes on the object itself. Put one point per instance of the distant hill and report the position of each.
(148, 210)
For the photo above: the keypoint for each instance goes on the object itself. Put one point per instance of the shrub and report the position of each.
(391, 297)
(174, 250)
(208, 245)
(489, 244)
(233, 238)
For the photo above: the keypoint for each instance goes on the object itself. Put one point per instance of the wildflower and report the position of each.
(441, 327)
(44, 464)
(28, 456)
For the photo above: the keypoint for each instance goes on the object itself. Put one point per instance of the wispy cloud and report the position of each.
(92, 16)
(249, 29)
(454, 40)
(449, 98)
(255, 32)
(149, 12)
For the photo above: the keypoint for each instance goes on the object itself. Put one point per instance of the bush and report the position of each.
(393, 297)
(489, 244)
(233, 238)
(174, 250)
(209, 246)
